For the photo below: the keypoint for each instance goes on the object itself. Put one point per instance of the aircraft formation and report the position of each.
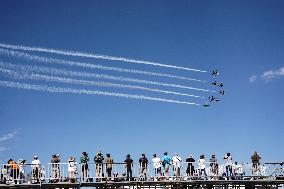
(215, 83)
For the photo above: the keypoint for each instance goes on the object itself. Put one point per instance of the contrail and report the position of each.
(33, 76)
(55, 71)
(54, 89)
(96, 56)
(89, 65)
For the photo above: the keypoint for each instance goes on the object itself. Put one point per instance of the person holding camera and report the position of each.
(99, 159)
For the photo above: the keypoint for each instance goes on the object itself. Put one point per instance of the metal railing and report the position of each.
(94, 172)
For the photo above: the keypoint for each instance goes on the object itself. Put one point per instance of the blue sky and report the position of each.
(243, 39)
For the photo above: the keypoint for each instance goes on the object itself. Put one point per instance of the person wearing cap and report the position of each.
(176, 165)
(166, 162)
(157, 165)
(35, 165)
(128, 165)
(99, 160)
(214, 165)
(55, 167)
(109, 162)
(143, 161)
(84, 166)
(190, 167)
(202, 166)
(72, 169)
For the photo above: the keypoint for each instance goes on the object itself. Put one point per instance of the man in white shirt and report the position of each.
(176, 165)
(157, 165)
(35, 165)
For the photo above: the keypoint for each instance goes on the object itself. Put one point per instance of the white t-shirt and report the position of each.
(177, 161)
(229, 160)
(201, 163)
(35, 163)
(156, 162)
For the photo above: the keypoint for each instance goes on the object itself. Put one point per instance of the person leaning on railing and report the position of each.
(14, 170)
(128, 165)
(190, 167)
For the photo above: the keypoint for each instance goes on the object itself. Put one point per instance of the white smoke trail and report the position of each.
(53, 89)
(32, 76)
(97, 56)
(89, 65)
(55, 71)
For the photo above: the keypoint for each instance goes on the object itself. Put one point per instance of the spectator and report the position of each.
(177, 165)
(202, 166)
(228, 163)
(35, 165)
(14, 170)
(157, 165)
(128, 164)
(166, 162)
(214, 165)
(99, 160)
(4, 174)
(55, 167)
(84, 166)
(109, 162)
(190, 166)
(72, 169)
(21, 164)
(255, 163)
(143, 161)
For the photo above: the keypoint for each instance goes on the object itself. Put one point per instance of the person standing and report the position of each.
(255, 162)
(166, 162)
(84, 166)
(177, 165)
(202, 165)
(99, 160)
(14, 170)
(128, 165)
(157, 165)
(35, 165)
(143, 161)
(228, 163)
(190, 167)
(72, 169)
(109, 162)
(214, 166)
(55, 160)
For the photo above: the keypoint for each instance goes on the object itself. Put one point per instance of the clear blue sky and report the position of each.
(240, 38)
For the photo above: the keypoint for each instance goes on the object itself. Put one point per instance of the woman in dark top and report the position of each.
(190, 166)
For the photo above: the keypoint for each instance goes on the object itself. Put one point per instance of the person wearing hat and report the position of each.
(128, 165)
(109, 162)
(84, 165)
(143, 161)
(214, 165)
(157, 165)
(190, 167)
(35, 165)
(72, 169)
